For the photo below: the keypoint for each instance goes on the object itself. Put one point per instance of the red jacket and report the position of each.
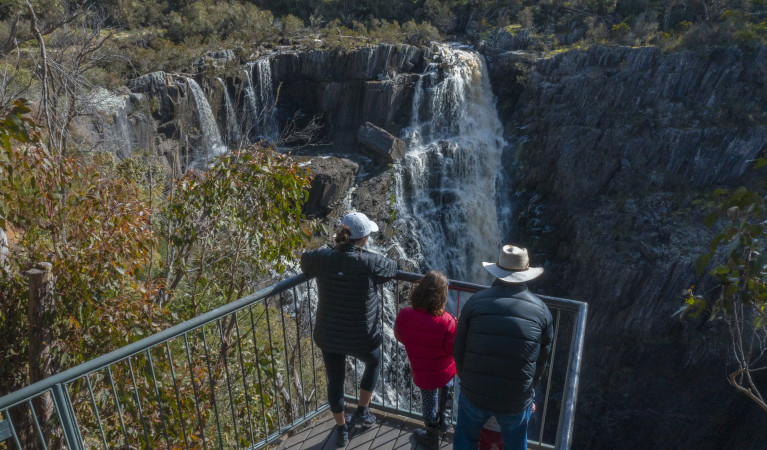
(428, 340)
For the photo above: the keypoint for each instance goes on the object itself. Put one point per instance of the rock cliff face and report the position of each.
(613, 154)
(350, 88)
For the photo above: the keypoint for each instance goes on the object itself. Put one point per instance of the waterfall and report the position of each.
(446, 183)
(233, 135)
(250, 107)
(209, 134)
(124, 136)
(268, 106)
(259, 92)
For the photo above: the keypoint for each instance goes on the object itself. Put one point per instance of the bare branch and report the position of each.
(747, 391)
(296, 136)
(43, 66)
(15, 40)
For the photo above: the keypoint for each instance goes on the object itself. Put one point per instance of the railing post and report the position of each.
(570, 391)
(40, 312)
(71, 433)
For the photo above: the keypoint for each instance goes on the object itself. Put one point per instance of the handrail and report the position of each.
(14, 398)
(57, 384)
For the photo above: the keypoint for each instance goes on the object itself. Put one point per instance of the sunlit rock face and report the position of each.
(613, 155)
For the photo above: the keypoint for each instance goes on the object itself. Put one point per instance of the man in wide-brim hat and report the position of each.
(501, 350)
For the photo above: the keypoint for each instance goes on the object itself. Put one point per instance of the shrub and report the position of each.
(440, 15)
(597, 32)
(416, 34)
(206, 21)
(383, 31)
(292, 25)
(526, 18)
(621, 32)
(645, 28)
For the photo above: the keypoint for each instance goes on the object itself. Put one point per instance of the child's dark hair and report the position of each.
(431, 293)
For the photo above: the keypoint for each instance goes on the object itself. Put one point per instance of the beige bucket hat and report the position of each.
(513, 266)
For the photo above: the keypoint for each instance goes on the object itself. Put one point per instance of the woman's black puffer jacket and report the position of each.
(348, 316)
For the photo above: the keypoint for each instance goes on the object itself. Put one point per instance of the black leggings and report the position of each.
(335, 368)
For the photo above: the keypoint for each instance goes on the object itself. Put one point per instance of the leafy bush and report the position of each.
(292, 25)
(739, 293)
(383, 31)
(526, 18)
(206, 21)
(419, 34)
(620, 32)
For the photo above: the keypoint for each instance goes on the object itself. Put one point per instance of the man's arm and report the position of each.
(547, 336)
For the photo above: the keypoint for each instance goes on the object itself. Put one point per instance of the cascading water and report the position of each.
(261, 119)
(212, 145)
(447, 181)
(233, 135)
(125, 138)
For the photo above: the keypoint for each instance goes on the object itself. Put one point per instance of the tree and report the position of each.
(92, 219)
(739, 294)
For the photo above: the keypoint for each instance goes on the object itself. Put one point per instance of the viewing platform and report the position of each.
(248, 375)
(390, 432)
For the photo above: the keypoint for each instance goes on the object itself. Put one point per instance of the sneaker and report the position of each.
(342, 435)
(364, 417)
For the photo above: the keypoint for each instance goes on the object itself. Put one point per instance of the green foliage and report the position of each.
(93, 218)
(292, 25)
(739, 274)
(419, 34)
(620, 32)
(239, 218)
(208, 21)
(93, 229)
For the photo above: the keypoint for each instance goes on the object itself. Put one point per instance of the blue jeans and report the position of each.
(471, 419)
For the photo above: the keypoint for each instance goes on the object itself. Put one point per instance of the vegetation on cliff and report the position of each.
(737, 291)
(147, 35)
(126, 249)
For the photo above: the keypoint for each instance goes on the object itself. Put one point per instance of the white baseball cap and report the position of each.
(359, 224)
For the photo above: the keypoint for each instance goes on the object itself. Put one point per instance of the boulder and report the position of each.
(160, 92)
(331, 179)
(384, 146)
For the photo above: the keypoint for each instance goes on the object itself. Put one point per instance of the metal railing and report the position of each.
(242, 375)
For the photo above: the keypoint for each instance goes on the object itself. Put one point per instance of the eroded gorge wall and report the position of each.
(613, 153)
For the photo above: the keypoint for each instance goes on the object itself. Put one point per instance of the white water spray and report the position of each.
(446, 182)
(211, 138)
(233, 135)
(261, 120)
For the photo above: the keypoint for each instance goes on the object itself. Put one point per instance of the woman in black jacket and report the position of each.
(348, 313)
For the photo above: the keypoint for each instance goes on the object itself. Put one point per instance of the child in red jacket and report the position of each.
(427, 331)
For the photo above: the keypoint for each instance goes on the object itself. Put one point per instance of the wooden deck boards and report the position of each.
(389, 433)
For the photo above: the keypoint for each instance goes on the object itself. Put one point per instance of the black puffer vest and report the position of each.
(502, 346)
(348, 311)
